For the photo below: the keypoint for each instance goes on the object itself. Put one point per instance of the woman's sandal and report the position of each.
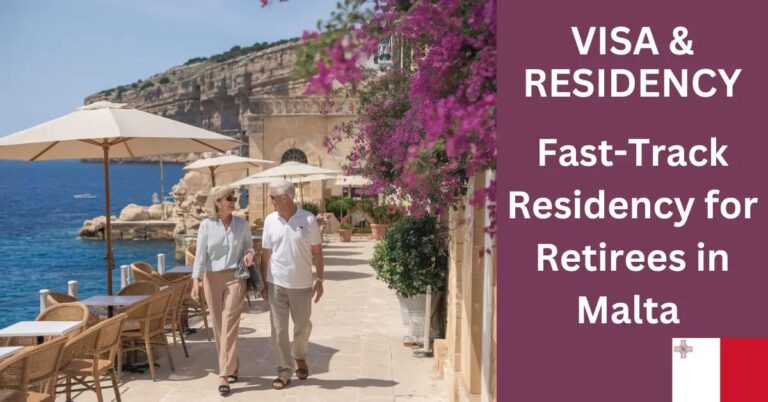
(232, 378)
(281, 382)
(223, 390)
(303, 371)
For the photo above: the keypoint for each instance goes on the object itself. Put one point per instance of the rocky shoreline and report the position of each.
(182, 216)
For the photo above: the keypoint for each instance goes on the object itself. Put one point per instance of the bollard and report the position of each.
(426, 350)
(72, 288)
(44, 299)
(428, 320)
(161, 264)
(125, 275)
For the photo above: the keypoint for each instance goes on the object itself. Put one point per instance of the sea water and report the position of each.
(39, 222)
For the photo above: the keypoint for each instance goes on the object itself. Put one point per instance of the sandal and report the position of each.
(281, 382)
(232, 378)
(223, 390)
(303, 371)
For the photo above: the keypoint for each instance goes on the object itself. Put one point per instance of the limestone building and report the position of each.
(255, 98)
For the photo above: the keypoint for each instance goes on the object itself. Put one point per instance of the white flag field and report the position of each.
(719, 369)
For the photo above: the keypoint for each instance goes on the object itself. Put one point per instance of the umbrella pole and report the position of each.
(213, 177)
(108, 234)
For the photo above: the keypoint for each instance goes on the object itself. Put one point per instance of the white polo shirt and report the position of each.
(290, 265)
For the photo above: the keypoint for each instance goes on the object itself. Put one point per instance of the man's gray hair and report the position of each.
(282, 186)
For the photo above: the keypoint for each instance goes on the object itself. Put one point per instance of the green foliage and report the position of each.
(164, 80)
(237, 51)
(339, 206)
(147, 84)
(195, 60)
(311, 207)
(381, 214)
(411, 256)
(345, 226)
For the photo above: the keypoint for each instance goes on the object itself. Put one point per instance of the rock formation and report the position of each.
(233, 97)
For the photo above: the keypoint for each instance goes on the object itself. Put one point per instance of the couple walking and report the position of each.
(291, 244)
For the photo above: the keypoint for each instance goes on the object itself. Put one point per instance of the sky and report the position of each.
(53, 53)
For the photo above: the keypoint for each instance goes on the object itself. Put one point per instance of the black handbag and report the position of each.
(252, 276)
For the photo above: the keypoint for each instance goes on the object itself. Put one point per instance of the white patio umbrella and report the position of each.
(294, 169)
(297, 179)
(226, 163)
(288, 170)
(103, 130)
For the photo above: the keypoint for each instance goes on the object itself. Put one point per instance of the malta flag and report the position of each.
(719, 369)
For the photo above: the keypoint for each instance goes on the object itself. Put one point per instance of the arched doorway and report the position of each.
(294, 154)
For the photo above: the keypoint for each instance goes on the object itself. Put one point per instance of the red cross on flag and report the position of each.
(719, 369)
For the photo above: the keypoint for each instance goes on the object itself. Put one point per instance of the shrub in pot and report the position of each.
(382, 216)
(345, 233)
(412, 255)
(339, 206)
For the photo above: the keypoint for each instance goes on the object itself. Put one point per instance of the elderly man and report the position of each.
(291, 244)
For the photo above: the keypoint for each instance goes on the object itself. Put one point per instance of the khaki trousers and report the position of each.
(298, 304)
(225, 295)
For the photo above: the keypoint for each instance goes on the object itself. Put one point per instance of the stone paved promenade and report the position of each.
(356, 353)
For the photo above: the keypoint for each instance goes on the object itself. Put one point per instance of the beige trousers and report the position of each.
(225, 295)
(298, 304)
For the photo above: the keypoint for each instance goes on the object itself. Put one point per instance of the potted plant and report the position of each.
(381, 216)
(345, 233)
(411, 256)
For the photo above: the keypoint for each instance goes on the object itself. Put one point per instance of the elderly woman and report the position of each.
(222, 241)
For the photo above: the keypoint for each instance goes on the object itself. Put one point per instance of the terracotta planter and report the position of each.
(377, 230)
(345, 235)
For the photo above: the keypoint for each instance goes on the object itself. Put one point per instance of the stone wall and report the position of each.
(459, 355)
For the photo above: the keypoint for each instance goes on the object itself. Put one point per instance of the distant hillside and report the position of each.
(190, 68)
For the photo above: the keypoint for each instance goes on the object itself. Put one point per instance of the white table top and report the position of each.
(113, 300)
(6, 351)
(181, 269)
(40, 328)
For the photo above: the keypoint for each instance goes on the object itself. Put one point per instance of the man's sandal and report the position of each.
(223, 390)
(281, 382)
(232, 378)
(303, 371)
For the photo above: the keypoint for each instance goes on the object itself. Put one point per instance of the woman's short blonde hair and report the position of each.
(215, 194)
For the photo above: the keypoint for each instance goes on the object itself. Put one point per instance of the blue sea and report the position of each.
(40, 219)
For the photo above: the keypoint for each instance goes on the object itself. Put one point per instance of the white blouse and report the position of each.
(219, 249)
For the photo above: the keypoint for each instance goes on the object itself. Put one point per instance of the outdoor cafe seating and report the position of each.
(92, 354)
(145, 327)
(32, 366)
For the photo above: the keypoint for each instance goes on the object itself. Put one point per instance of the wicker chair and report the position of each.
(34, 365)
(92, 354)
(150, 318)
(139, 288)
(54, 298)
(143, 271)
(66, 312)
(189, 254)
(179, 291)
